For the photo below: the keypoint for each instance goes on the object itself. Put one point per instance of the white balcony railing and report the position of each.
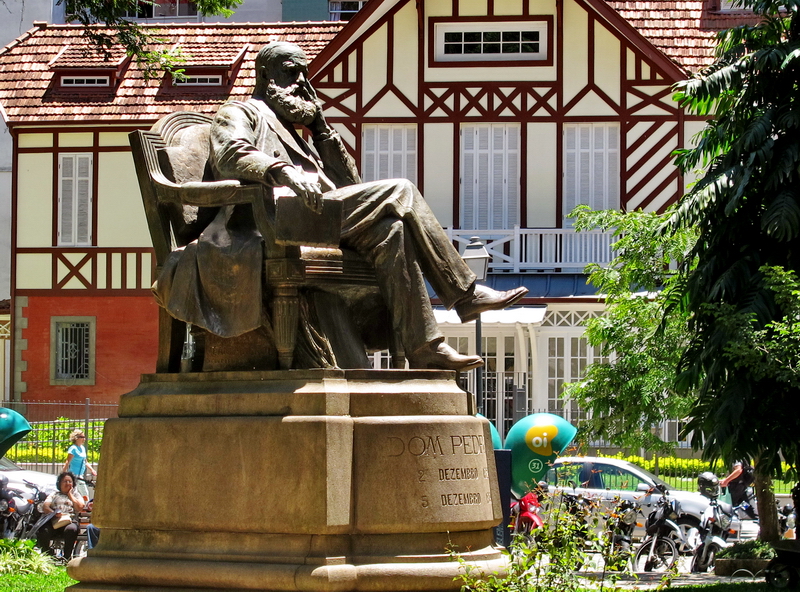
(539, 249)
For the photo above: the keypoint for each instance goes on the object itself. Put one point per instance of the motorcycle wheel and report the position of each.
(780, 575)
(664, 556)
(701, 564)
(686, 524)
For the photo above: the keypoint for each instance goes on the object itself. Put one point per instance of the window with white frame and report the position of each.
(72, 350)
(83, 81)
(567, 360)
(199, 80)
(389, 152)
(75, 199)
(490, 176)
(163, 9)
(490, 41)
(344, 11)
(591, 166)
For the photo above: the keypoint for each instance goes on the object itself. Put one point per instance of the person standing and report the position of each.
(76, 461)
(739, 479)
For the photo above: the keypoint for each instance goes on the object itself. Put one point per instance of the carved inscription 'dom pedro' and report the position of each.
(456, 479)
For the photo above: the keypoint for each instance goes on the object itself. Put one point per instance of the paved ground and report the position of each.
(649, 581)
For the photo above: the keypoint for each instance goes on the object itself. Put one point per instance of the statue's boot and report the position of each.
(438, 354)
(484, 298)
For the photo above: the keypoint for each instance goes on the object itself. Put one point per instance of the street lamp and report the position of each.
(477, 259)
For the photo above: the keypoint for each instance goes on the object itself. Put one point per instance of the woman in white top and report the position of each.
(65, 505)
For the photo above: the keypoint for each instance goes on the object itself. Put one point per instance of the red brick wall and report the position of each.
(126, 345)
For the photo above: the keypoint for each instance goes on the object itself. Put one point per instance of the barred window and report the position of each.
(72, 350)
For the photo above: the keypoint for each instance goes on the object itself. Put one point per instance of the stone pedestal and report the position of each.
(301, 480)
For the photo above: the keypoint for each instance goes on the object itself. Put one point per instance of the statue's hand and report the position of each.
(318, 125)
(295, 180)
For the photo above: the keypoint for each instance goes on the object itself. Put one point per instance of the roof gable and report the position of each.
(679, 37)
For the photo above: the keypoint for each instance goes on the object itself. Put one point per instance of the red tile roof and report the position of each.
(28, 92)
(685, 31)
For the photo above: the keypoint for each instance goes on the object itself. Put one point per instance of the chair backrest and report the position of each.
(173, 152)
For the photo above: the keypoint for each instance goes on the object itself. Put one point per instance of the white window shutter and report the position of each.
(411, 154)
(75, 199)
(83, 214)
(511, 181)
(389, 152)
(66, 199)
(490, 176)
(370, 153)
(570, 189)
(591, 166)
(468, 159)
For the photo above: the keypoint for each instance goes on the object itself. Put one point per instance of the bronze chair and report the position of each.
(171, 162)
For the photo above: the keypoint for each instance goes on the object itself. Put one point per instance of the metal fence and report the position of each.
(44, 448)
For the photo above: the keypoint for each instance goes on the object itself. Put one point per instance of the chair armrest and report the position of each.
(208, 194)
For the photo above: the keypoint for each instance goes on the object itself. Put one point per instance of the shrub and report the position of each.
(21, 557)
(754, 549)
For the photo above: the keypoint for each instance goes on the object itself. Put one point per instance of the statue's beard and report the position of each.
(289, 106)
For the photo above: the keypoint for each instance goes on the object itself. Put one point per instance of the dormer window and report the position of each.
(207, 67)
(80, 68)
(86, 81)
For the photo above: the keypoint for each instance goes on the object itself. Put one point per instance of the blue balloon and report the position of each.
(535, 442)
(497, 443)
(13, 427)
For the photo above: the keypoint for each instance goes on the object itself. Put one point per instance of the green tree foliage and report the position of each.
(632, 389)
(746, 209)
(105, 26)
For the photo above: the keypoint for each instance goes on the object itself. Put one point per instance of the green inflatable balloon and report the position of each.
(13, 427)
(497, 443)
(536, 441)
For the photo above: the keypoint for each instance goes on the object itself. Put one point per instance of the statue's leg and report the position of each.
(385, 244)
(442, 266)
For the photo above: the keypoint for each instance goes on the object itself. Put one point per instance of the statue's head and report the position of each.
(282, 82)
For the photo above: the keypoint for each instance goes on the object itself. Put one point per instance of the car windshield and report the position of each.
(655, 479)
(7, 465)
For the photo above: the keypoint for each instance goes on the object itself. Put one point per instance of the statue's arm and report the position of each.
(233, 148)
(337, 163)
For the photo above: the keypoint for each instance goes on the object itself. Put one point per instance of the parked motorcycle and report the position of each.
(619, 533)
(658, 551)
(525, 518)
(9, 516)
(31, 514)
(715, 524)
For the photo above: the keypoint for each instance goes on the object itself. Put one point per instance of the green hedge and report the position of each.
(38, 445)
(682, 471)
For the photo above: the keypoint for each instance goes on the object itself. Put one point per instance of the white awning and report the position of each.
(510, 316)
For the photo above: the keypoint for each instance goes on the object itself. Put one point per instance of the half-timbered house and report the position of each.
(506, 113)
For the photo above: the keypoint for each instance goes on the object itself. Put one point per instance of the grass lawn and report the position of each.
(55, 582)
(58, 581)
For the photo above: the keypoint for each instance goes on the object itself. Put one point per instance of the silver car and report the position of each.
(17, 477)
(608, 478)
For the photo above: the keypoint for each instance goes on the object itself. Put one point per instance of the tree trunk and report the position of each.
(767, 510)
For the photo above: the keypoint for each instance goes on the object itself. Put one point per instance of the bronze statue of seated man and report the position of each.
(388, 222)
